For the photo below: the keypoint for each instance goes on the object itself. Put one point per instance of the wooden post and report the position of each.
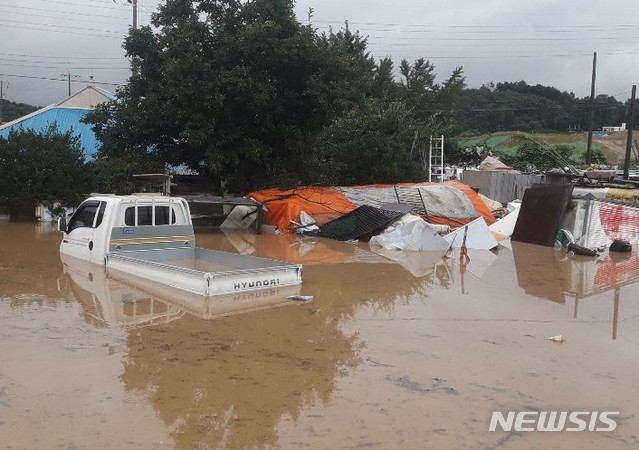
(592, 109)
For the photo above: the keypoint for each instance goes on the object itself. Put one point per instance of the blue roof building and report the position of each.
(67, 115)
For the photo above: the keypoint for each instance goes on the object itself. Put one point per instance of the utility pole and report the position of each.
(68, 76)
(631, 125)
(1, 99)
(592, 109)
(135, 13)
(134, 62)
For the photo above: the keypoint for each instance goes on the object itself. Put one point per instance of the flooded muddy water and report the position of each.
(411, 354)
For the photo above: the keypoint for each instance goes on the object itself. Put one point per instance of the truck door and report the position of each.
(78, 239)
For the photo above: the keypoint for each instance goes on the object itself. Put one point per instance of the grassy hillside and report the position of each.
(508, 141)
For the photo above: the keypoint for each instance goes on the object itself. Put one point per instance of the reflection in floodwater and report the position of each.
(397, 350)
(109, 303)
(553, 275)
(229, 383)
(135, 302)
(29, 260)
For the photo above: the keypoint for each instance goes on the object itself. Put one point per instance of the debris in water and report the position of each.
(301, 298)
(558, 338)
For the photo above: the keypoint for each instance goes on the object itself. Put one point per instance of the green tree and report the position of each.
(227, 88)
(38, 167)
(114, 174)
(522, 107)
(242, 93)
(597, 155)
(369, 145)
(10, 110)
(426, 99)
(535, 156)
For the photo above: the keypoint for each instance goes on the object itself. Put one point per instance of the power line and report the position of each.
(47, 25)
(61, 31)
(57, 79)
(73, 19)
(64, 66)
(62, 57)
(113, 8)
(70, 13)
(342, 22)
(547, 55)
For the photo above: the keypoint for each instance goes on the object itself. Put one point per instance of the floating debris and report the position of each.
(558, 338)
(301, 298)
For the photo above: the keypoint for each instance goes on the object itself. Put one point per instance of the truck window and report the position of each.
(145, 216)
(84, 216)
(98, 220)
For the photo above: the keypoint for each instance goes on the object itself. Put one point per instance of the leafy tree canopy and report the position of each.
(38, 167)
(522, 107)
(243, 92)
(534, 156)
(114, 174)
(10, 110)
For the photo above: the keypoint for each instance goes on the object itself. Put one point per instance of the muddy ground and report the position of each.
(387, 355)
(614, 145)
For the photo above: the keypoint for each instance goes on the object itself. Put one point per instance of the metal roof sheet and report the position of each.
(65, 118)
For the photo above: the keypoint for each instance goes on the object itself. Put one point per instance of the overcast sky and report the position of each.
(541, 42)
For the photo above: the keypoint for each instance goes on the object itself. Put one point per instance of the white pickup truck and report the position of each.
(150, 239)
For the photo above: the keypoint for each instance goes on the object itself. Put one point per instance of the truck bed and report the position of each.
(205, 272)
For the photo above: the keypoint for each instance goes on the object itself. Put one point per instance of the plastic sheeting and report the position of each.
(478, 236)
(240, 218)
(450, 203)
(410, 233)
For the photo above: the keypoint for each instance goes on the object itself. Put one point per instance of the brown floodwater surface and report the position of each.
(411, 354)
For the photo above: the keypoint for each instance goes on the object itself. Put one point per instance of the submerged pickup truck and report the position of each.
(151, 239)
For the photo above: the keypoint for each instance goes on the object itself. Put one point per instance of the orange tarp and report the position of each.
(325, 204)
(282, 207)
(482, 209)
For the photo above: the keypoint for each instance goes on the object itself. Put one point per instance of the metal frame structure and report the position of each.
(435, 159)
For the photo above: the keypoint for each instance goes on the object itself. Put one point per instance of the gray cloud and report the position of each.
(540, 42)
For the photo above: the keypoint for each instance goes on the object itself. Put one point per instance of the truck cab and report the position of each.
(110, 223)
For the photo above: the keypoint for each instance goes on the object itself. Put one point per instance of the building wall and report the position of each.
(87, 98)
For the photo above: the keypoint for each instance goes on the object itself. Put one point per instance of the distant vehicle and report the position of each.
(150, 239)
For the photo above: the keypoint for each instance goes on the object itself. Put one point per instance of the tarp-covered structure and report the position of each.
(450, 203)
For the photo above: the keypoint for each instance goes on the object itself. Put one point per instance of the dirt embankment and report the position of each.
(614, 146)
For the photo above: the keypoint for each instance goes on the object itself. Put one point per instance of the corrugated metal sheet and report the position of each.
(65, 118)
(503, 187)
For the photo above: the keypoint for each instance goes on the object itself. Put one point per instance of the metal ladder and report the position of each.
(436, 159)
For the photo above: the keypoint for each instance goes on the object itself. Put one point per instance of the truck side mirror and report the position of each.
(62, 224)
